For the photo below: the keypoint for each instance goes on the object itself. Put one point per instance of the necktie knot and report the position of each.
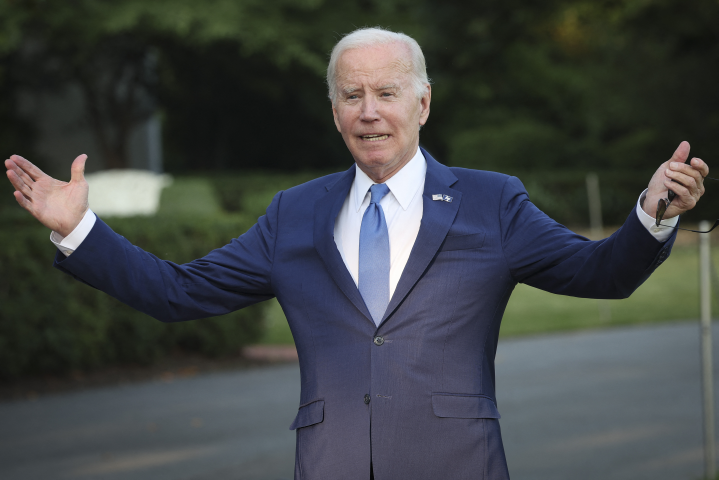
(378, 192)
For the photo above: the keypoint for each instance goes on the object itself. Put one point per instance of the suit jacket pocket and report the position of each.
(309, 414)
(463, 242)
(452, 405)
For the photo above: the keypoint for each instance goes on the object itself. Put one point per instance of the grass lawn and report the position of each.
(671, 293)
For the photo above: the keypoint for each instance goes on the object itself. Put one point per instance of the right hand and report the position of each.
(58, 205)
(686, 180)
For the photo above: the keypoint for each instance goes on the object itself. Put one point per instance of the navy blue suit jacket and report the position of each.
(432, 410)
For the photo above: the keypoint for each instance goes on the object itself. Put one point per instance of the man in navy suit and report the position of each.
(394, 275)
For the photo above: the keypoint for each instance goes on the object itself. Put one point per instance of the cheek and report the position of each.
(405, 120)
(344, 120)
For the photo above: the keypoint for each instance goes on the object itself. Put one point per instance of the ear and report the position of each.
(424, 105)
(336, 117)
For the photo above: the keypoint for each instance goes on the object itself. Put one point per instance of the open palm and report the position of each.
(56, 204)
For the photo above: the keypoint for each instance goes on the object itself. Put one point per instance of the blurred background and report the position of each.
(229, 97)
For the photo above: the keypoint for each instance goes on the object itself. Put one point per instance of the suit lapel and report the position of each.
(326, 210)
(437, 218)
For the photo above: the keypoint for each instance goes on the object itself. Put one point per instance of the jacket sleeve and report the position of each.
(228, 278)
(544, 254)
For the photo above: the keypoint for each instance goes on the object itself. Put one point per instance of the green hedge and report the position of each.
(51, 323)
(251, 192)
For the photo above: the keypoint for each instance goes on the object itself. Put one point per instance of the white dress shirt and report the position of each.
(402, 209)
(69, 244)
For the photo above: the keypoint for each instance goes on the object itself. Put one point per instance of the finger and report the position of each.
(78, 168)
(32, 171)
(12, 166)
(682, 169)
(23, 201)
(699, 165)
(8, 163)
(689, 181)
(18, 183)
(681, 153)
(685, 197)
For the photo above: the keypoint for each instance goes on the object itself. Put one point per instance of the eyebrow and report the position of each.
(389, 86)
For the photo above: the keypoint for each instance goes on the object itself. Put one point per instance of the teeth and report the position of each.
(374, 138)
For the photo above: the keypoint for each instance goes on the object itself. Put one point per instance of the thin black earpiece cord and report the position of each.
(695, 231)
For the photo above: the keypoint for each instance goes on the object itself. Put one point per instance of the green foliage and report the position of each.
(190, 196)
(225, 111)
(51, 323)
(276, 329)
(580, 85)
(572, 84)
(17, 134)
(251, 192)
(519, 143)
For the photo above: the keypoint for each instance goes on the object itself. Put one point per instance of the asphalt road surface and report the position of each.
(614, 404)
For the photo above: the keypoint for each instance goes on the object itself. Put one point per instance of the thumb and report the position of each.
(681, 153)
(78, 169)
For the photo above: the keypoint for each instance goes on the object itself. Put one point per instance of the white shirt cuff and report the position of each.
(69, 244)
(663, 231)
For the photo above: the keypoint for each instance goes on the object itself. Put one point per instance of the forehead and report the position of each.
(374, 64)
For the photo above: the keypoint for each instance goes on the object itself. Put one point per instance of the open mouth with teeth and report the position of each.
(374, 137)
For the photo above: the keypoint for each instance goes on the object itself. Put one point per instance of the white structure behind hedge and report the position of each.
(126, 193)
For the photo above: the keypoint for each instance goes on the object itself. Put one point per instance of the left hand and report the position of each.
(688, 183)
(58, 205)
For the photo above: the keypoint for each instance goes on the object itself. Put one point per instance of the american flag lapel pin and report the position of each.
(442, 198)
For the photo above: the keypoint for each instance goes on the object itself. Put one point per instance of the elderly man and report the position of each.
(394, 275)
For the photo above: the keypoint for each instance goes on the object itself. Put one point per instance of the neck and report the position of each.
(383, 173)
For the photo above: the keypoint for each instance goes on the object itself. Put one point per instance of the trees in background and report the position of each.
(571, 84)
(50, 46)
(576, 84)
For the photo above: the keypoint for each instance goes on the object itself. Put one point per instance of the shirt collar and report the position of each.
(403, 184)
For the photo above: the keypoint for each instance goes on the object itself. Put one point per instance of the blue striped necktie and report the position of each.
(374, 255)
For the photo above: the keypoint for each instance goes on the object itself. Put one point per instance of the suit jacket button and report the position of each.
(378, 340)
(366, 399)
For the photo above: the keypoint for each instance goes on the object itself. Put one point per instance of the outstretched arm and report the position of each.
(547, 255)
(56, 204)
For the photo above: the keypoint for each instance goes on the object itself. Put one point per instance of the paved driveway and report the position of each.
(620, 404)
(615, 404)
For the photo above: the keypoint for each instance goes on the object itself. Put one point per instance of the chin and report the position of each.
(375, 161)
(376, 156)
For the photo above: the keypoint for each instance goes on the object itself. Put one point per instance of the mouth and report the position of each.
(374, 137)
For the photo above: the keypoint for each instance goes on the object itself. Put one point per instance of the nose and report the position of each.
(369, 111)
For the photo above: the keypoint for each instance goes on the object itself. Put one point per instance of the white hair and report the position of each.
(370, 37)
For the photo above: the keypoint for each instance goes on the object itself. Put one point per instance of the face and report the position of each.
(377, 110)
